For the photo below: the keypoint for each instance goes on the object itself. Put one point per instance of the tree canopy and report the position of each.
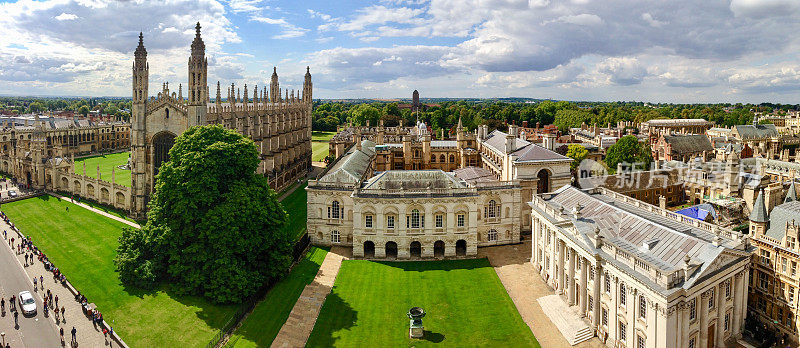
(213, 226)
(578, 153)
(628, 150)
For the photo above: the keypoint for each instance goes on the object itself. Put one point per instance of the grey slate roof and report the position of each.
(352, 166)
(756, 131)
(781, 214)
(759, 213)
(689, 143)
(524, 150)
(791, 196)
(628, 227)
(475, 174)
(444, 143)
(413, 180)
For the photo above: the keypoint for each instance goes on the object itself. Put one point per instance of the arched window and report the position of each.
(433, 158)
(622, 297)
(166, 112)
(415, 218)
(335, 237)
(334, 211)
(492, 209)
(441, 158)
(492, 235)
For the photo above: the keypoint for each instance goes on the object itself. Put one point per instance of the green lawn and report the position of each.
(465, 302)
(106, 162)
(263, 324)
(296, 205)
(319, 144)
(83, 245)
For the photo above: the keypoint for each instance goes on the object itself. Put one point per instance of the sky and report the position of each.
(679, 51)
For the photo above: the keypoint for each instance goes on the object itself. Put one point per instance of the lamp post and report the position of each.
(416, 314)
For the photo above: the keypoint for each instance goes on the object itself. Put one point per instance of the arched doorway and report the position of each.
(391, 250)
(543, 184)
(438, 249)
(369, 249)
(461, 247)
(416, 249)
(162, 142)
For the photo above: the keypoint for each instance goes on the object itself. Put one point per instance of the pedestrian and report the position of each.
(3, 304)
(56, 301)
(26, 259)
(73, 334)
(62, 314)
(61, 332)
(16, 314)
(41, 281)
(34, 283)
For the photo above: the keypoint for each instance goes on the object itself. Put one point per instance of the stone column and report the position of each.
(561, 273)
(427, 249)
(584, 288)
(449, 249)
(720, 307)
(534, 242)
(597, 270)
(702, 317)
(571, 278)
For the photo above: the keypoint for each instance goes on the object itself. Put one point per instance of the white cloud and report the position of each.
(246, 5)
(66, 16)
(581, 19)
(647, 17)
(288, 30)
(623, 70)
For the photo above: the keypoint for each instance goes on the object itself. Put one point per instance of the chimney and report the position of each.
(510, 142)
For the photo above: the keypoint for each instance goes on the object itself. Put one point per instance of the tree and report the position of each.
(628, 150)
(213, 226)
(83, 110)
(578, 153)
(566, 119)
(364, 112)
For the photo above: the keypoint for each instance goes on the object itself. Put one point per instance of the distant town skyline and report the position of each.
(618, 50)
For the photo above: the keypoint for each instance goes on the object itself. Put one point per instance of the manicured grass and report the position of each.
(263, 324)
(83, 245)
(319, 144)
(106, 162)
(296, 205)
(465, 302)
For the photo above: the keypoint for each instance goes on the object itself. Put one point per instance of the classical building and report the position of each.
(663, 187)
(775, 281)
(280, 125)
(641, 276)
(61, 139)
(410, 213)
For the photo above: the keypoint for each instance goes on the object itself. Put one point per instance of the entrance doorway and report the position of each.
(416, 249)
(543, 184)
(391, 250)
(369, 249)
(438, 249)
(461, 247)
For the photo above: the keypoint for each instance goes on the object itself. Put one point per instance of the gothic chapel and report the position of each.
(279, 125)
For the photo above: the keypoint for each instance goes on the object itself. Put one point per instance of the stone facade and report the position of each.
(279, 125)
(775, 284)
(410, 213)
(639, 275)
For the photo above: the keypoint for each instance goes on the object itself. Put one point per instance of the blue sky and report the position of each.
(647, 50)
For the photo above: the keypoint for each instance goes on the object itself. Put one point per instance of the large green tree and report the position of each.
(213, 226)
(578, 153)
(628, 150)
(363, 113)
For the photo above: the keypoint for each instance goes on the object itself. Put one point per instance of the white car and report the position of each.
(27, 303)
(12, 193)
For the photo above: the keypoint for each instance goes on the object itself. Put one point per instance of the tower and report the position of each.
(198, 85)
(274, 87)
(307, 86)
(38, 148)
(759, 219)
(141, 71)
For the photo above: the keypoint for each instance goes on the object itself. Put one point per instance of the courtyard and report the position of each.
(319, 145)
(83, 245)
(106, 163)
(465, 301)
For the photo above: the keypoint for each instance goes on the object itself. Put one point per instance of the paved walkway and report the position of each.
(297, 328)
(87, 334)
(110, 216)
(525, 286)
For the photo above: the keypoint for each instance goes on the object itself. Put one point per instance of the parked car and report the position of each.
(27, 303)
(12, 194)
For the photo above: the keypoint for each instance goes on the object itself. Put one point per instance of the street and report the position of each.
(33, 331)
